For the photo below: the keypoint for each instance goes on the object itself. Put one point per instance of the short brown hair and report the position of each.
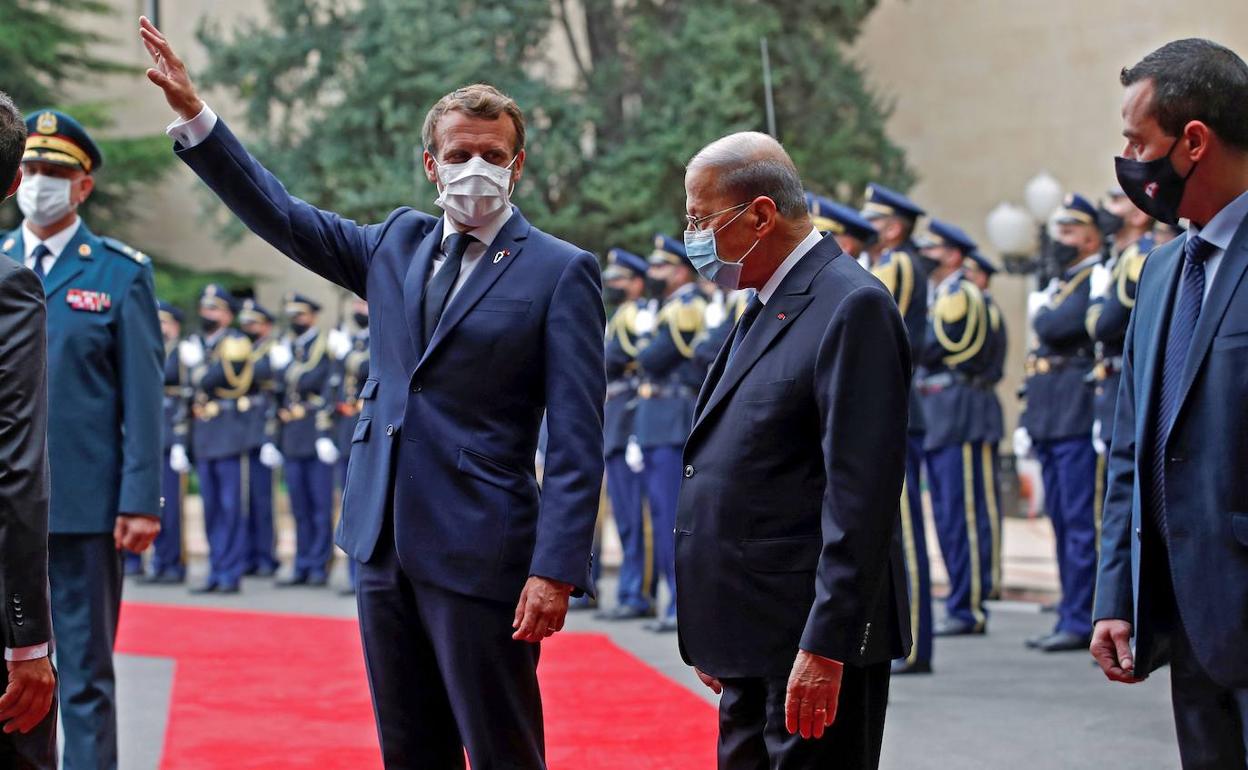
(479, 101)
(12, 141)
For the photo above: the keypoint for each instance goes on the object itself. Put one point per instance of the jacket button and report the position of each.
(389, 430)
(417, 387)
(689, 471)
(1137, 533)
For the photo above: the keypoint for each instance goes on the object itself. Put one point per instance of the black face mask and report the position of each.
(252, 335)
(361, 319)
(209, 325)
(1153, 185)
(1064, 254)
(1108, 223)
(299, 329)
(655, 288)
(613, 295)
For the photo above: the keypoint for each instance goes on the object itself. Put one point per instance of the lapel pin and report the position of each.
(499, 256)
(781, 316)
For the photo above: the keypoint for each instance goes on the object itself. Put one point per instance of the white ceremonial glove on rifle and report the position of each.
(339, 343)
(643, 322)
(1099, 282)
(270, 457)
(280, 356)
(190, 353)
(178, 461)
(633, 457)
(1097, 443)
(1022, 443)
(326, 452)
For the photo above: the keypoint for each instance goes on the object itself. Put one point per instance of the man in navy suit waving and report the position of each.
(480, 323)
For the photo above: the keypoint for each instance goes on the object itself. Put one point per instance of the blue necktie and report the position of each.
(1178, 341)
(439, 289)
(748, 317)
(39, 253)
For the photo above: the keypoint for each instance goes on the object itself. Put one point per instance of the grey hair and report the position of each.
(750, 164)
(12, 141)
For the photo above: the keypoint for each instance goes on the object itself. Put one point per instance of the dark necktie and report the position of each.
(439, 289)
(1178, 341)
(39, 253)
(748, 316)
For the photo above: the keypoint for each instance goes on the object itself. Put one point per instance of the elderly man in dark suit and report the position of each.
(1174, 550)
(28, 739)
(791, 586)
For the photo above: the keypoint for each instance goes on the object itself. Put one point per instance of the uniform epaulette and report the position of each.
(126, 250)
(690, 315)
(8, 241)
(952, 307)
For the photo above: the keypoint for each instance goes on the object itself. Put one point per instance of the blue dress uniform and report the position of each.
(167, 565)
(1058, 417)
(991, 422)
(1107, 319)
(670, 378)
(306, 414)
(635, 594)
(104, 380)
(259, 424)
(219, 443)
(353, 373)
(954, 372)
(839, 220)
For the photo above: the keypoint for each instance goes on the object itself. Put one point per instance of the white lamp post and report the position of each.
(1043, 194)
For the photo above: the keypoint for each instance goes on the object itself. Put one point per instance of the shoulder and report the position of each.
(18, 284)
(557, 252)
(116, 248)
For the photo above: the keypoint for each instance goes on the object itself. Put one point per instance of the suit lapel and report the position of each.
(1168, 261)
(498, 257)
(71, 262)
(414, 286)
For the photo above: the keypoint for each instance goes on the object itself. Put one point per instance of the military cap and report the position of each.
(54, 137)
(1076, 210)
(983, 262)
(838, 219)
(167, 311)
(669, 251)
(253, 312)
(296, 303)
(945, 234)
(883, 202)
(216, 295)
(623, 264)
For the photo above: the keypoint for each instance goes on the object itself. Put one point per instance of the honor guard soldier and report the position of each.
(670, 379)
(624, 285)
(896, 261)
(1057, 421)
(1112, 295)
(167, 565)
(104, 380)
(307, 416)
(221, 372)
(853, 232)
(259, 419)
(353, 367)
(957, 357)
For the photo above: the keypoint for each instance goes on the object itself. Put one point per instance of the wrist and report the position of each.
(193, 108)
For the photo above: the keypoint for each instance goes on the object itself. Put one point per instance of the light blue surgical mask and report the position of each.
(700, 247)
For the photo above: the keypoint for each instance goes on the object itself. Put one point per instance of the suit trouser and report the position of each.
(167, 550)
(311, 486)
(963, 527)
(636, 587)
(85, 575)
(221, 487)
(35, 750)
(1068, 467)
(752, 734)
(445, 674)
(914, 549)
(662, 476)
(1211, 720)
(259, 516)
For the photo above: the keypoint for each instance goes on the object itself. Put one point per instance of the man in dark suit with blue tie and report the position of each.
(1173, 580)
(480, 323)
(792, 593)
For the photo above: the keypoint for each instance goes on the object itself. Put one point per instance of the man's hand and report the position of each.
(716, 686)
(29, 695)
(542, 609)
(1111, 648)
(169, 72)
(135, 531)
(812, 695)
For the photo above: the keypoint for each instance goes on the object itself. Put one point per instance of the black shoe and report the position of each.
(318, 579)
(1049, 607)
(207, 588)
(166, 579)
(228, 588)
(664, 626)
(296, 579)
(901, 667)
(263, 572)
(955, 627)
(1035, 641)
(624, 612)
(346, 591)
(1064, 641)
(582, 603)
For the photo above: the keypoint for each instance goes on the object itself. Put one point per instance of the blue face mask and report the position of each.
(700, 247)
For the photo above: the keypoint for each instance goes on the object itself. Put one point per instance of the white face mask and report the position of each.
(475, 192)
(44, 199)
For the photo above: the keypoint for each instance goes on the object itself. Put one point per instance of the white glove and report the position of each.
(270, 457)
(326, 452)
(1097, 443)
(633, 457)
(1099, 282)
(178, 460)
(1035, 301)
(643, 322)
(280, 355)
(1022, 442)
(190, 353)
(715, 314)
(339, 343)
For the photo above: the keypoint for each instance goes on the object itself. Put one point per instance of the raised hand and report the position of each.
(169, 73)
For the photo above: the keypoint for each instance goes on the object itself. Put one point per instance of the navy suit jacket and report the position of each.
(448, 434)
(786, 525)
(1205, 480)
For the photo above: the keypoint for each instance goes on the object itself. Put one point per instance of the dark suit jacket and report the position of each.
(786, 527)
(449, 433)
(25, 618)
(1206, 483)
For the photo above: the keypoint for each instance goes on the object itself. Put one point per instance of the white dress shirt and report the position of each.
(1220, 231)
(56, 243)
(795, 256)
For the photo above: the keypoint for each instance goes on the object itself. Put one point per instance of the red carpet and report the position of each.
(260, 690)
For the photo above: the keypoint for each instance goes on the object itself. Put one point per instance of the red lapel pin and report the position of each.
(781, 316)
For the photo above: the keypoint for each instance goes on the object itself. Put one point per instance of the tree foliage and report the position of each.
(335, 98)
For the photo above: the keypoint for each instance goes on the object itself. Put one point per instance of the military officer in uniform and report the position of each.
(353, 367)
(1057, 421)
(167, 565)
(957, 357)
(624, 283)
(104, 380)
(853, 232)
(259, 421)
(307, 444)
(670, 379)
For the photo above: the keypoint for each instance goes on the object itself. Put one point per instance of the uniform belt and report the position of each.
(619, 388)
(1106, 368)
(1045, 364)
(945, 380)
(650, 390)
(209, 410)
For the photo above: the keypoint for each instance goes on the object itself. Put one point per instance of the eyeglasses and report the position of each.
(695, 223)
